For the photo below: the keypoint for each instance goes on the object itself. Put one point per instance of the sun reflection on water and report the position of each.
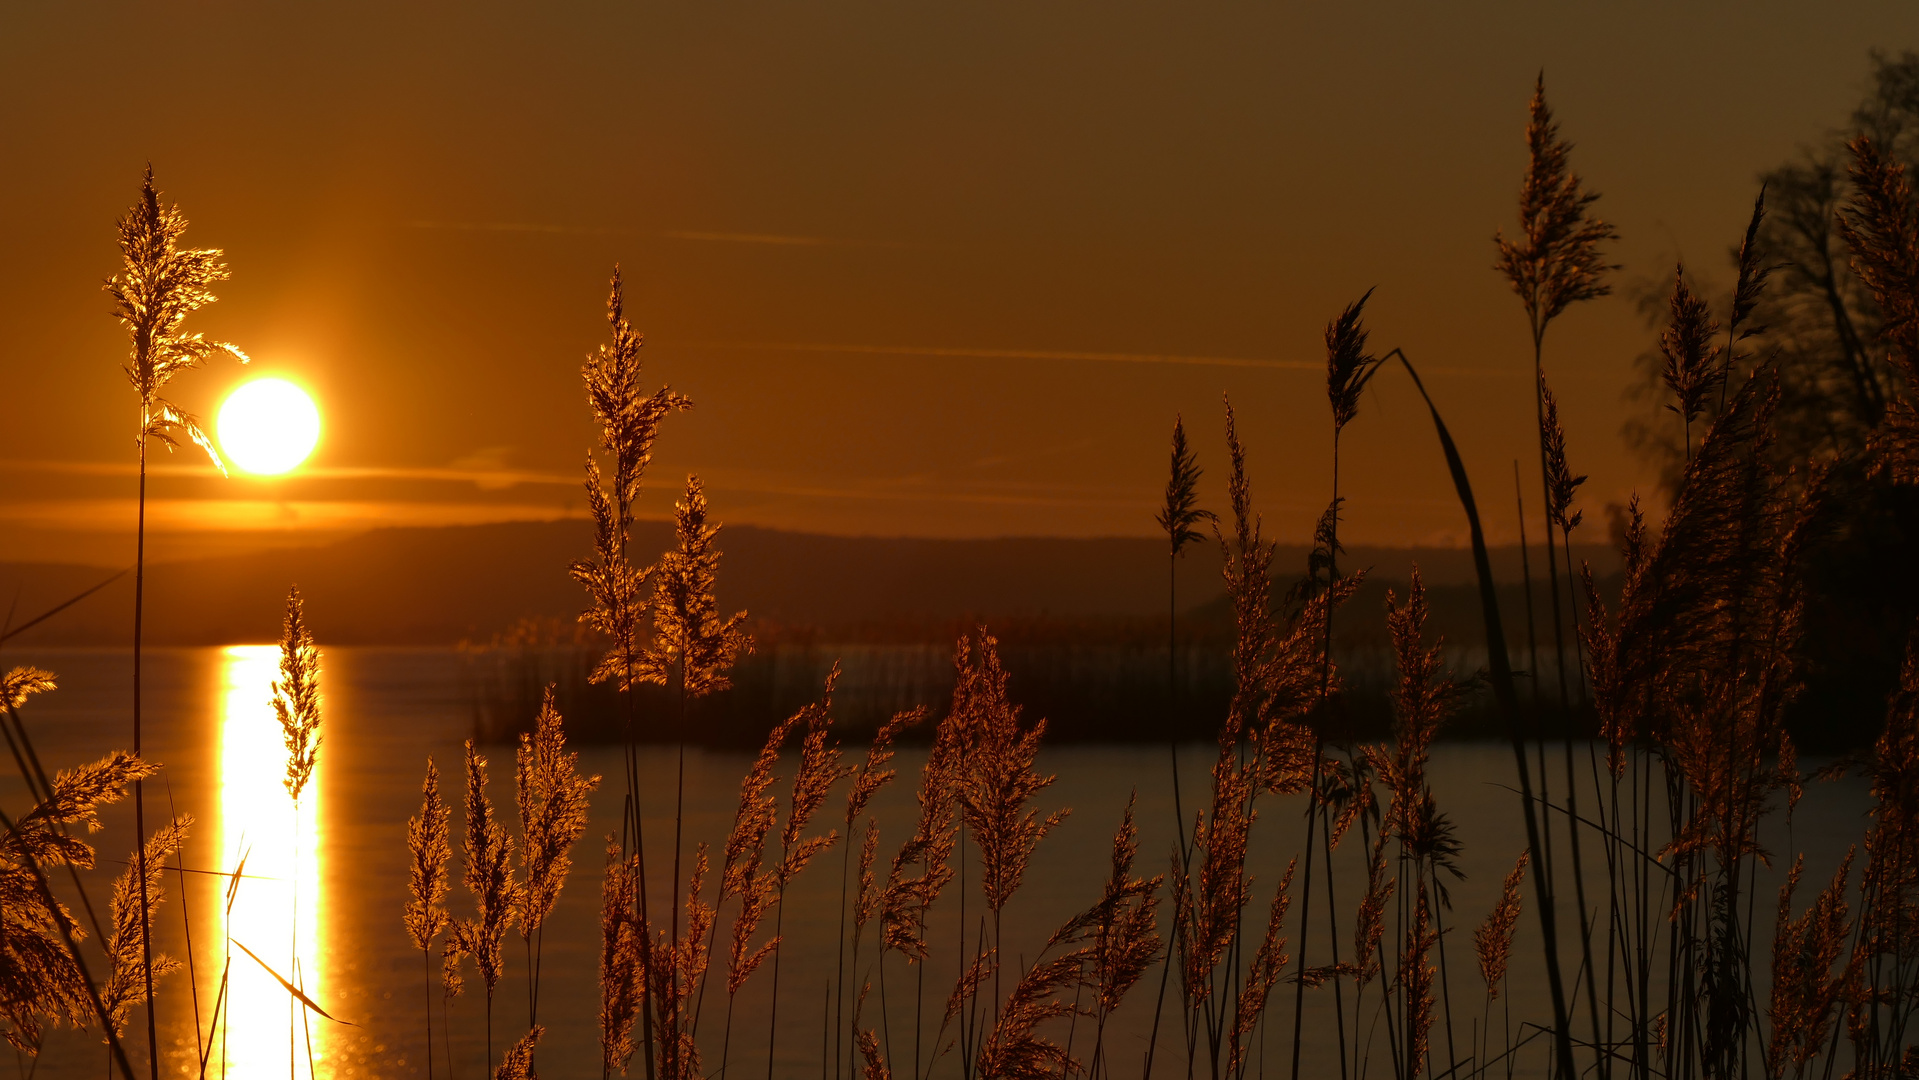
(258, 822)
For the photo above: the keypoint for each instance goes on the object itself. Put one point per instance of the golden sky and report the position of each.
(944, 270)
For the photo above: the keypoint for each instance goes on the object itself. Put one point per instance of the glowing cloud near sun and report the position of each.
(268, 426)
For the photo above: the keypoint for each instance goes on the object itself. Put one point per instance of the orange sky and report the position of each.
(925, 269)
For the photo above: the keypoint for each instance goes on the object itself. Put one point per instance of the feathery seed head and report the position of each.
(1348, 366)
(1181, 515)
(296, 696)
(1556, 261)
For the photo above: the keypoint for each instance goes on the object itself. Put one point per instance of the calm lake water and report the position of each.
(387, 710)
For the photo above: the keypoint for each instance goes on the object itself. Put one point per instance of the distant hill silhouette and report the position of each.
(427, 586)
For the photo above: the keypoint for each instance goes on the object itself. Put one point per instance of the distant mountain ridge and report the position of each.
(436, 586)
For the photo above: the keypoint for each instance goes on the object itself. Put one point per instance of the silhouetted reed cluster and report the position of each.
(1687, 671)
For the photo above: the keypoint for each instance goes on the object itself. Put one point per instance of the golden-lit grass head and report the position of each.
(268, 426)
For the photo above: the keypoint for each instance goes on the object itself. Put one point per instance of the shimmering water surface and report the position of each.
(323, 886)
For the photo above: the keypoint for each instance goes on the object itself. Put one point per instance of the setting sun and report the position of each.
(268, 426)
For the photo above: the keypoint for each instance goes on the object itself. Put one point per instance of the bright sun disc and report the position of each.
(268, 426)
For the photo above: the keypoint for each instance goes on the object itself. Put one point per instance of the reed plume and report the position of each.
(1014, 1049)
(552, 799)
(819, 769)
(1493, 941)
(489, 878)
(1369, 926)
(1694, 367)
(1805, 989)
(678, 971)
(622, 985)
(741, 873)
(296, 696)
(1880, 226)
(619, 592)
(689, 637)
(518, 1062)
(1179, 518)
(996, 775)
(1269, 960)
(1415, 979)
(42, 978)
(1556, 260)
(159, 285)
(296, 704)
(428, 852)
(1555, 263)
(131, 965)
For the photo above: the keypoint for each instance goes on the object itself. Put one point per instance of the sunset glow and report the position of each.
(269, 426)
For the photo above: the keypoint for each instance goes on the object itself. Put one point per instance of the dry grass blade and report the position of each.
(296, 992)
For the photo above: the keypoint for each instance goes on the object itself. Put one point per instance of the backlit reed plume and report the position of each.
(43, 978)
(679, 969)
(1122, 933)
(427, 855)
(1179, 519)
(1415, 978)
(996, 775)
(552, 799)
(1269, 960)
(489, 878)
(1369, 926)
(629, 420)
(1805, 989)
(1554, 263)
(875, 1065)
(907, 896)
(1882, 996)
(296, 704)
(819, 769)
(1349, 367)
(1014, 1049)
(1880, 225)
(130, 964)
(742, 875)
(1694, 368)
(518, 1062)
(619, 592)
(158, 286)
(296, 696)
(690, 640)
(621, 977)
(1493, 940)
(868, 777)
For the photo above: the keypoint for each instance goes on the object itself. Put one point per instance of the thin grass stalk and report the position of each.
(1501, 672)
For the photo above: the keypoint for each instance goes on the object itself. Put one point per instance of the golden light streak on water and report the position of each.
(257, 821)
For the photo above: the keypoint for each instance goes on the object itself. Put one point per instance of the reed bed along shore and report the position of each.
(1641, 882)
